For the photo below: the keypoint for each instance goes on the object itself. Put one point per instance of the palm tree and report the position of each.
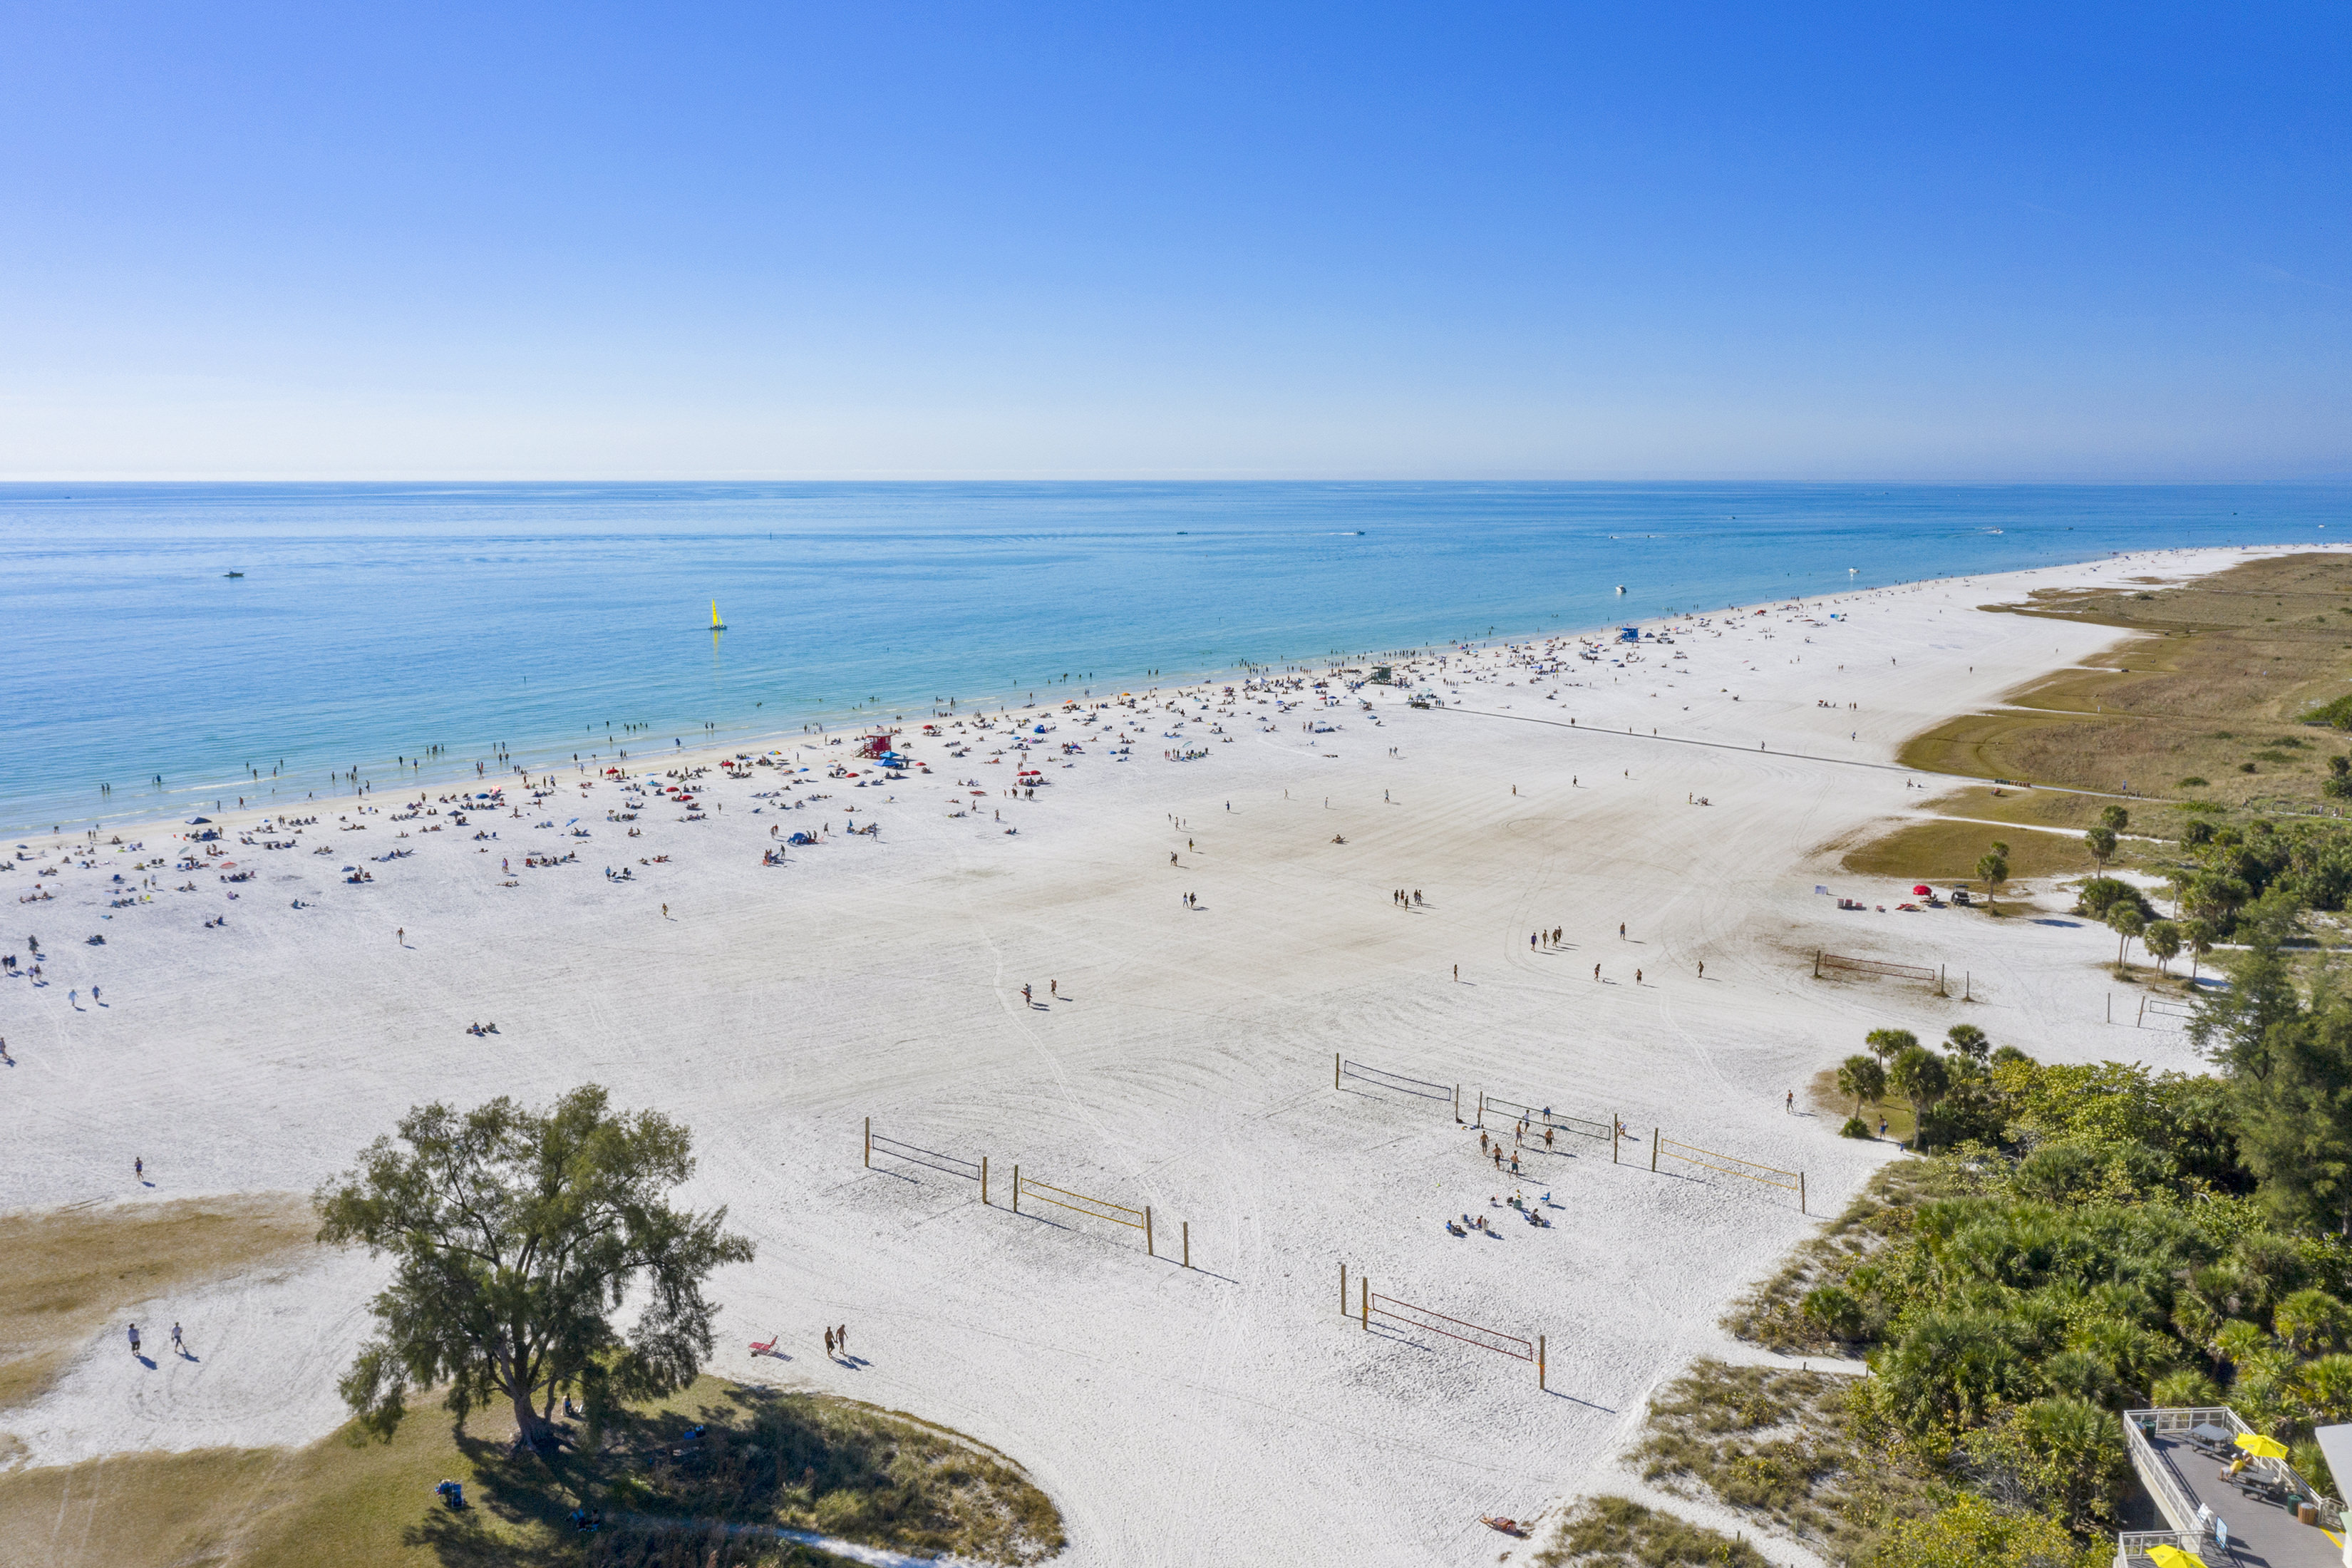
(1968, 1040)
(1863, 1078)
(1920, 1077)
(2324, 1386)
(2115, 819)
(2176, 878)
(2162, 938)
(1994, 869)
(2101, 843)
(2311, 1321)
(1888, 1044)
(2197, 936)
(2126, 922)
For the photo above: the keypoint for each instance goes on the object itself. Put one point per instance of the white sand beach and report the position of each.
(1177, 1051)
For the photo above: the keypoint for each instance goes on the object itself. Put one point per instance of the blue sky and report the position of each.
(972, 240)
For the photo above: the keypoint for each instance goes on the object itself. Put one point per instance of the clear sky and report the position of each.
(947, 240)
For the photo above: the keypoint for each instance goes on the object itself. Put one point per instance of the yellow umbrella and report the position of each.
(2172, 1557)
(2262, 1447)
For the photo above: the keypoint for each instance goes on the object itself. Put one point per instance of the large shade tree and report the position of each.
(516, 1235)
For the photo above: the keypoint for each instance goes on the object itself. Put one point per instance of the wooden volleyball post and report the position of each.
(983, 1178)
(1343, 1290)
(1188, 1243)
(1147, 1251)
(869, 1142)
(1539, 1365)
(1016, 1187)
(1801, 1194)
(1457, 1104)
(1335, 1070)
(1653, 1147)
(1364, 1296)
(1616, 1129)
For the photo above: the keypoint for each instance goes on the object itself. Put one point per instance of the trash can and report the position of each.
(2306, 1513)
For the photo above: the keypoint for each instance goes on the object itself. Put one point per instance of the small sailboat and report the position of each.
(716, 624)
(232, 574)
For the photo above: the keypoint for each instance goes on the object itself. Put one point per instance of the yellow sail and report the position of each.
(716, 624)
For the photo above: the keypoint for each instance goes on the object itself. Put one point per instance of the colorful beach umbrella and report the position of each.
(2172, 1557)
(2262, 1447)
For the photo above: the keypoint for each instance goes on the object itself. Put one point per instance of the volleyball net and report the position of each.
(1381, 1078)
(915, 1154)
(1540, 1117)
(1666, 1148)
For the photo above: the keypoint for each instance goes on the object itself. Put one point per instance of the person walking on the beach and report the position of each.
(1701, 969)
(1596, 972)
(177, 1347)
(400, 936)
(665, 912)
(1457, 973)
(841, 1338)
(1024, 997)
(1789, 1104)
(134, 1339)
(828, 1341)
(1620, 931)
(1637, 977)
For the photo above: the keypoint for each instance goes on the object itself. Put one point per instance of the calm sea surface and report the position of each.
(374, 621)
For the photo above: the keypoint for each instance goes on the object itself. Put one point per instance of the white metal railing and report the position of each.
(2132, 1546)
(2155, 1472)
(2164, 1482)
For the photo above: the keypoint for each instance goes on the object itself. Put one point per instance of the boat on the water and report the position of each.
(716, 624)
(232, 574)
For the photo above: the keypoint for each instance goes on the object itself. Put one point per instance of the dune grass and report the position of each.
(65, 1274)
(1613, 1532)
(765, 1458)
(1776, 1444)
(1772, 1313)
(2216, 688)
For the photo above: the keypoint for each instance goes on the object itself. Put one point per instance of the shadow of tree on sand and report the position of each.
(681, 1488)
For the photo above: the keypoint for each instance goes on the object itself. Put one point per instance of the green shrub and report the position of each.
(1974, 1534)
(1855, 1127)
(1837, 1310)
(2336, 715)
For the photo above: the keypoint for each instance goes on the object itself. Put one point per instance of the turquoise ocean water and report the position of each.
(375, 621)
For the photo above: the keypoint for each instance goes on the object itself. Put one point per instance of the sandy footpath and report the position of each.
(1181, 1058)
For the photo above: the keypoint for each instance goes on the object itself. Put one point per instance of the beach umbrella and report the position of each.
(2262, 1447)
(2172, 1557)
(1923, 888)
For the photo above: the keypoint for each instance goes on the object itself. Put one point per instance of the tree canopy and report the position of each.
(516, 1235)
